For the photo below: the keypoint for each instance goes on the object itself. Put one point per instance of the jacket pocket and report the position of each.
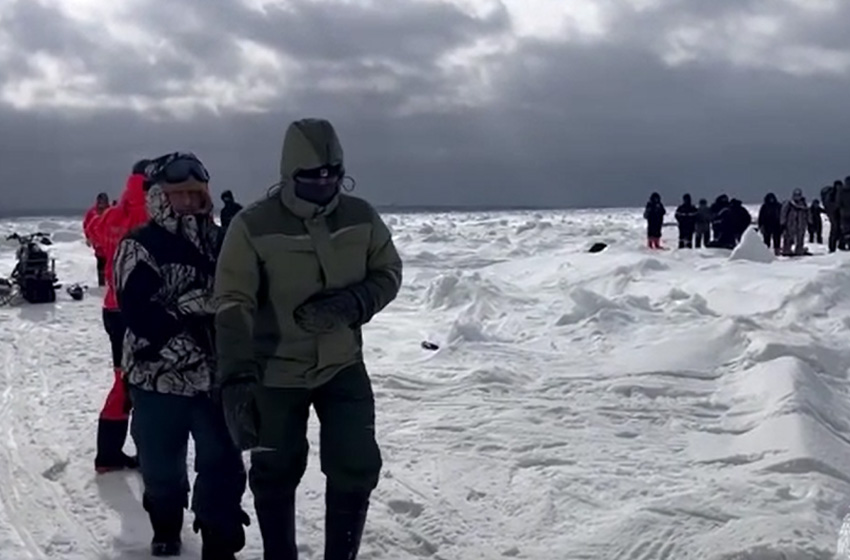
(337, 348)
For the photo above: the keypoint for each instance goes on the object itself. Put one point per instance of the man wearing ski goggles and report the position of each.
(184, 180)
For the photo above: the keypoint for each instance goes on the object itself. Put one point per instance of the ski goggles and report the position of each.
(325, 175)
(181, 170)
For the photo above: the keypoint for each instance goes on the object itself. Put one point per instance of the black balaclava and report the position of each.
(318, 186)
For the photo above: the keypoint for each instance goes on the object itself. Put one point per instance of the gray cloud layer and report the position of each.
(682, 95)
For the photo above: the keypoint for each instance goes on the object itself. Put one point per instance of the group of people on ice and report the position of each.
(783, 225)
(720, 225)
(230, 333)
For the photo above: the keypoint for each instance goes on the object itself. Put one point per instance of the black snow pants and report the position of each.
(101, 268)
(773, 238)
(161, 427)
(349, 454)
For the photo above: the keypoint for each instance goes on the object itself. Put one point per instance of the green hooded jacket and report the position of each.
(282, 250)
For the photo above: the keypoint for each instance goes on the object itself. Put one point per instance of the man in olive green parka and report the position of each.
(298, 275)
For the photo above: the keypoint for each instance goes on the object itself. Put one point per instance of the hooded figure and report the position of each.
(299, 275)
(686, 216)
(816, 222)
(769, 222)
(732, 222)
(703, 224)
(231, 208)
(795, 223)
(654, 216)
(107, 231)
(164, 281)
(719, 204)
(100, 206)
(843, 204)
(829, 198)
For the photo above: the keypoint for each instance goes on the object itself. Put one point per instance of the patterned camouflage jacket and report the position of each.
(164, 281)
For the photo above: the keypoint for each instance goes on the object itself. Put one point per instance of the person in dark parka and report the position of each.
(654, 216)
(301, 272)
(769, 223)
(686, 216)
(843, 203)
(732, 222)
(720, 204)
(703, 224)
(231, 208)
(829, 198)
(816, 222)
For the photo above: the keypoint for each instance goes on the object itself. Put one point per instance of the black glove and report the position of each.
(240, 412)
(329, 311)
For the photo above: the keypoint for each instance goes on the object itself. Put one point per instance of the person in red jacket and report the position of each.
(100, 206)
(109, 229)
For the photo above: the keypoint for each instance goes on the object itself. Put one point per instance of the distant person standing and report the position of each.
(654, 216)
(703, 224)
(795, 223)
(719, 205)
(769, 222)
(231, 208)
(108, 230)
(816, 223)
(829, 198)
(686, 216)
(844, 213)
(100, 206)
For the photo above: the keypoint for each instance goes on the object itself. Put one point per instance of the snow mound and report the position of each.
(752, 248)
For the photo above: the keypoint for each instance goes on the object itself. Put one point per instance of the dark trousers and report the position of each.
(703, 238)
(101, 269)
(686, 237)
(816, 234)
(349, 454)
(772, 238)
(161, 427)
(114, 418)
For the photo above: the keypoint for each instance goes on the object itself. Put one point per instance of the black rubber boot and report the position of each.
(111, 435)
(345, 518)
(222, 543)
(277, 527)
(167, 524)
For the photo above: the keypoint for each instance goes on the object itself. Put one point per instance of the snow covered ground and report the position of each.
(625, 405)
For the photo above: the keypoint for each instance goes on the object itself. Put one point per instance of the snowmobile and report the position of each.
(34, 275)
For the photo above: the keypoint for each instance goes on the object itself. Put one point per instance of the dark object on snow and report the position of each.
(76, 292)
(597, 247)
(429, 345)
(35, 272)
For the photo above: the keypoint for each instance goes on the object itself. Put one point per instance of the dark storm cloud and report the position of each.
(599, 122)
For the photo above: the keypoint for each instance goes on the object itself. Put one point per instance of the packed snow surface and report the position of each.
(625, 405)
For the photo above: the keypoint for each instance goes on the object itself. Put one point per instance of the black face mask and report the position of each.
(320, 194)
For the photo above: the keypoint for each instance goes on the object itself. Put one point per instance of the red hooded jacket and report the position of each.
(88, 221)
(110, 227)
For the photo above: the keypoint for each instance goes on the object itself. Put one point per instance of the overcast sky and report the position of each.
(445, 102)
